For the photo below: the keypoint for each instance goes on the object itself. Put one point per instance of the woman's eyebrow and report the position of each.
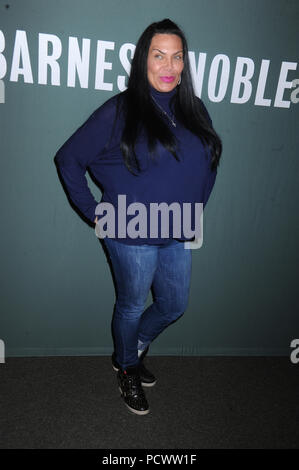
(155, 49)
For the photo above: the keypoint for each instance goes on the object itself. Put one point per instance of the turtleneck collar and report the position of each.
(162, 95)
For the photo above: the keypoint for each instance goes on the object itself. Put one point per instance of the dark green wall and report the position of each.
(57, 293)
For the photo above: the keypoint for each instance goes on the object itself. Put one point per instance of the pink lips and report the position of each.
(167, 79)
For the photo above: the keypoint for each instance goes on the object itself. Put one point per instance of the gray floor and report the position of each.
(197, 403)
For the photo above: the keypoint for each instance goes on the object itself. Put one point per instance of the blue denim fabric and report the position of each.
(165, 267)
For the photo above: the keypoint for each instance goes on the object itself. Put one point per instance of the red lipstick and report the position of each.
(167, 79)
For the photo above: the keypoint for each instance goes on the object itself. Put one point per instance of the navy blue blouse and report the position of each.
(162, 179)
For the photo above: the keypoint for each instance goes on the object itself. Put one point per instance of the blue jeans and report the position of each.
(167, 268)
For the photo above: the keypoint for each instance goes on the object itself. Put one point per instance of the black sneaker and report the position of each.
(131, 390)
(147, 378)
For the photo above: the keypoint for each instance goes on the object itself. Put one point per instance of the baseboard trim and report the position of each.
(161, 351)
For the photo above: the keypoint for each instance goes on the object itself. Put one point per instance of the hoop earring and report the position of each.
(179, 82)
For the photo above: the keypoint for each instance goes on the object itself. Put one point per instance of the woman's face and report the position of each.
(165, 61)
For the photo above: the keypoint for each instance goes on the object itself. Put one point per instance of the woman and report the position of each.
(153, 143)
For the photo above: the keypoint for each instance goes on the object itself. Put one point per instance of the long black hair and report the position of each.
(142, 116)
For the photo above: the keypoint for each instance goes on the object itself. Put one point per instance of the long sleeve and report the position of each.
(209, 186)
(85, 145)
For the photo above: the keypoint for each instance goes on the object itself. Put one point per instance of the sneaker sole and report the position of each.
(144, 384)
(137, 412)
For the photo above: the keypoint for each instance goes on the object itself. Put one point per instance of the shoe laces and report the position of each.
(133, 383)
